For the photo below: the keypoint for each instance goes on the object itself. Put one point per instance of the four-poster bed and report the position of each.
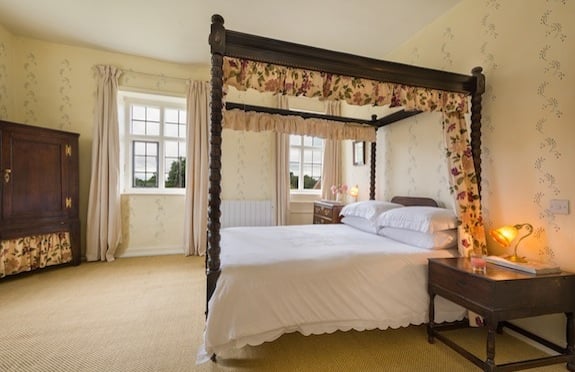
(249, 61)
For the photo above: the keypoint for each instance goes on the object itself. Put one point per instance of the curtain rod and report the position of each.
(305, 115)
(130, 71)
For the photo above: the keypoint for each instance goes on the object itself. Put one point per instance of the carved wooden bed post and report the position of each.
(217, 44)
(476, 122)
(372, 172)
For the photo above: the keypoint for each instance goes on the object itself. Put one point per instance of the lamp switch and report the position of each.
(559, 206)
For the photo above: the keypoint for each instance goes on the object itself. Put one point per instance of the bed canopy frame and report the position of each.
(227, 43)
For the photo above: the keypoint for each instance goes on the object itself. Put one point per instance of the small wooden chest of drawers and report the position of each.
(326, 211)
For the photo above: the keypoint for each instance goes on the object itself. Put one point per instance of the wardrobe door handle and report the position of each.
(7, 173)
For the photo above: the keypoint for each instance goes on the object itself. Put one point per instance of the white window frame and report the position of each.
(125, 100)
(303, 192)
(302, 148)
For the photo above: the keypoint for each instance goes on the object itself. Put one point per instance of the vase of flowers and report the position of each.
(339, 192)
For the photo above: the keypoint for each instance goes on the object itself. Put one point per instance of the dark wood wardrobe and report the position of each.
(39, 196)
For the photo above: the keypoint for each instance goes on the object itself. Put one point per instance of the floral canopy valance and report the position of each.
(277, 79)
(267, 77)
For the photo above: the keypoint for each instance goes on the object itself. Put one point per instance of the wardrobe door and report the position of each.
(36, 176)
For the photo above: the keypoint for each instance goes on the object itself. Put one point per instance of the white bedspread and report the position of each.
(315, 279)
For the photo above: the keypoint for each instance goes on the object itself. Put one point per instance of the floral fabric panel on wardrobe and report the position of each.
(34, 252)
(277, 79)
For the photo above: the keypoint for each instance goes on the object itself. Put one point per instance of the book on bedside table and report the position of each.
(531, 266)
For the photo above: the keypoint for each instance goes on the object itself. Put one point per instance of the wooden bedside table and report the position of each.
(499, 295)
(326, 211)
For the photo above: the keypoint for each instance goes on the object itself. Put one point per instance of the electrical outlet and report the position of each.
(559, 206)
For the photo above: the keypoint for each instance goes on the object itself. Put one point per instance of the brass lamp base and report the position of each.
(516, 258)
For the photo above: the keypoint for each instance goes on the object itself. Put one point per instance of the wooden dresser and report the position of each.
(326, 211)
(39, 197)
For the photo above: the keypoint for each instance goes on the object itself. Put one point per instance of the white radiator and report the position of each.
(247, 213)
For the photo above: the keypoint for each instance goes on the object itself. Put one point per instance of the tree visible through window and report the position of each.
(305, 162)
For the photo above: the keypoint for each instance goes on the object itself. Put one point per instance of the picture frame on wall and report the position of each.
(358, 152)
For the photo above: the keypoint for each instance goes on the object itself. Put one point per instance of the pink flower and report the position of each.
(341, 189)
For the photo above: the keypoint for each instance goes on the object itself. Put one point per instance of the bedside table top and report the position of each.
(494, 272)
(508, 293)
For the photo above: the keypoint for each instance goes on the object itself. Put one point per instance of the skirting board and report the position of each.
(153, 251)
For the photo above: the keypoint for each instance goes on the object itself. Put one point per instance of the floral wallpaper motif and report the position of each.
(64, 91)
(445, 52)
(412, 160)
(551, 115)
(489, 64)
(30, 87)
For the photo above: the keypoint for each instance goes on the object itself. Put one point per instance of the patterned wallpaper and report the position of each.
(54, 86)
(523, 47)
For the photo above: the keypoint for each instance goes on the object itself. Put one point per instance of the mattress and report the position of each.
(316, 279)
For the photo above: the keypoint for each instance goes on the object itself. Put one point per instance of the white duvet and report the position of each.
(316, 279)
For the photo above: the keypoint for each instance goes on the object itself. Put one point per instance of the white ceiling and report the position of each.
(177, 30)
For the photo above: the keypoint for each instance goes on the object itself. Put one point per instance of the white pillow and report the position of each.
(444, 239)
(423, 219)
(360, 223)
(368, 209)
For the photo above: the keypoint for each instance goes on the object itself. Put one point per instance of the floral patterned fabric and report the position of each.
(277, 79)
(34, 252)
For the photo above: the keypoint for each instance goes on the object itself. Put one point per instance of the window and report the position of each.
(305, 163)
(154, 143)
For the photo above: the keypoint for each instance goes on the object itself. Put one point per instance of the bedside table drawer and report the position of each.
(325, 211)
(457, 282)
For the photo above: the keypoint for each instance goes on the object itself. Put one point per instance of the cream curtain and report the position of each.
(196, 202)
(331, 172)
(282, 185)
(104, 223)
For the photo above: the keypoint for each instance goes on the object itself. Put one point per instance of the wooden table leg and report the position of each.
(491, 330)
(431, 323)
(570, 334)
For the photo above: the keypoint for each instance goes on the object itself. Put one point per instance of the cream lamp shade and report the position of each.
(354, 192)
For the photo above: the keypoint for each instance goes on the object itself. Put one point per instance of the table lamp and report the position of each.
(511, 236)
(354, 192)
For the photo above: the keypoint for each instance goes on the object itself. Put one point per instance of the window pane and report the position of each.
(307, 140)
(171, 130)
(171, 115)
(176, 175)
(153, 114)
(138, 127)
(152, 148)
(139, 148)
(317, 156)
(145, 164)
(138, 112)
(294, 155)
(295, 140)
(151, 164)
(171, 148)
(139, 163)
(153, 129)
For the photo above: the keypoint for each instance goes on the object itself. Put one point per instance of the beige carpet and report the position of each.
(147, 314)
